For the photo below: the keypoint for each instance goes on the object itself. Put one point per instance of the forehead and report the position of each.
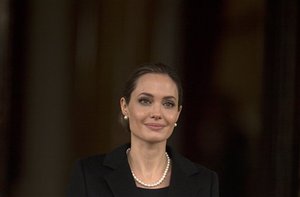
(156, 83)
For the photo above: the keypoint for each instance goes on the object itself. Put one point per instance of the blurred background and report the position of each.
(64, 63)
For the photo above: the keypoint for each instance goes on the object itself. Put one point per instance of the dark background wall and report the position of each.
(63, 64)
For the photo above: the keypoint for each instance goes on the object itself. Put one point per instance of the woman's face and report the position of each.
(153, 108)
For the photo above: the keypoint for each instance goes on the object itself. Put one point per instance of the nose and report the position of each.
(156, 112)
(156, 116)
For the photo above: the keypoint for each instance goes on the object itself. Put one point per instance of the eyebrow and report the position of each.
(150, 95)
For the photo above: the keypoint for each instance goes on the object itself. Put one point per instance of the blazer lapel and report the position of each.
(120, 179)
(182, 182)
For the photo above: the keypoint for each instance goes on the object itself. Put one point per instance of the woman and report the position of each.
(147, 166)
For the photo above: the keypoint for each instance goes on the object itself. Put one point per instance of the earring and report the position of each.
(126, 117)
(175, 124)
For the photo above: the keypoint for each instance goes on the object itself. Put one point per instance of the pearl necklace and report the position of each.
(157, 182)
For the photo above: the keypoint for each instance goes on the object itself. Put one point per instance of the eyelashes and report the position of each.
(169, 104)
(144, 101)
(147, 102)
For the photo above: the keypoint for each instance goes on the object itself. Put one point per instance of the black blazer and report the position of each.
(110, 175)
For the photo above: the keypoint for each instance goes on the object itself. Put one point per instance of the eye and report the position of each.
(144, 101)
(169, 104)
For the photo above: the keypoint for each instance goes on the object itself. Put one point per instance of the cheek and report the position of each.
(138, 113)
(172, 117)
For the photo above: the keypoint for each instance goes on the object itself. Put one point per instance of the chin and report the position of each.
(157, 139)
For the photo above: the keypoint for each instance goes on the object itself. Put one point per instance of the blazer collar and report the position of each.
(120, 179)
(122, 183)
(182, 183)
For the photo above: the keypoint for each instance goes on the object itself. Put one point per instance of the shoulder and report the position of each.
(204, 169)
(105, 161)
(190, 167)
(90, 174)
(98, 158)
(196, 177)
(91, 165)
(92, 160)
(85, 173)
(207, 173)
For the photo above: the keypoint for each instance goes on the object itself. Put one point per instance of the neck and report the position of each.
(148, 161)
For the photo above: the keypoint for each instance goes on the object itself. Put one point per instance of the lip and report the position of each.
(154, 126)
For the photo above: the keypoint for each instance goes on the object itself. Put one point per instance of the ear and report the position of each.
(179, 111)
(123, 106)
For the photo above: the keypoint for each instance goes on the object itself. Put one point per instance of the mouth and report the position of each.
(154, 126)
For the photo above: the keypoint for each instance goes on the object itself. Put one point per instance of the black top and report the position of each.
(110, 175)
(162, 192)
